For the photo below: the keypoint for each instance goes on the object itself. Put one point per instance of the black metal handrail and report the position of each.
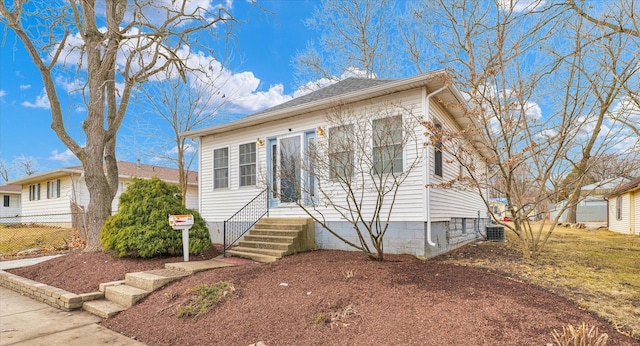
(237, 225)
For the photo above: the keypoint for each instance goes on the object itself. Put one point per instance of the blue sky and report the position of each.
(262, 55)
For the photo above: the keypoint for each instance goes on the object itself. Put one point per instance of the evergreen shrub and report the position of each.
(141, 226)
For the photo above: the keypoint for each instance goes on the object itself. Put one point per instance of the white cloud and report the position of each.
(25, 86)
(42, 101)
(64, 156)
(2, 94)
(70, 86)
(520, 5)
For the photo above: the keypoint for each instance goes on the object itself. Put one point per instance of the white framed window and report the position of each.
(221, 168)
(6, 201)
(247, 164)
(619, 208)
(341, 143)
(387, 145)
(53, 189)
(437, 164)
(34, 192)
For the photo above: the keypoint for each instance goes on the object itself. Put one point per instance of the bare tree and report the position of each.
(26, 165)
(184, 107)
(356, 36)
(357, 172)
(4, 172)
(113, 46)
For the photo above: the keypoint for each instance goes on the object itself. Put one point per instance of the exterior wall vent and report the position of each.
(495, 233)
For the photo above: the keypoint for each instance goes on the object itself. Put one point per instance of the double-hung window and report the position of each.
(247, 164)
(438, 151)
(6, 201)
(387, 145)
(619, 208)
(34, 192)
(221, 168)
(53, 189)
(341, 151)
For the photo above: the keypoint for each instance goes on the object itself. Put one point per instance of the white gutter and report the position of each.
(427, 171)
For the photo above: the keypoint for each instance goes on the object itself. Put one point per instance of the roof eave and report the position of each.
(354, 96)
(46, 175)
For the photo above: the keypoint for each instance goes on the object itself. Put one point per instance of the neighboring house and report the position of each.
(624, 208)
(60, 192)
(11, 203)
(426, 221)
(593, 206)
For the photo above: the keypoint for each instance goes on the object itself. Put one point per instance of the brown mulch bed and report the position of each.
(310, 299)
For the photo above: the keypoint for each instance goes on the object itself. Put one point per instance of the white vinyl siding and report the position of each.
(447, 203)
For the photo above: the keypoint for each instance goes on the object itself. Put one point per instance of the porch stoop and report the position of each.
(273, 238)
(120, 295)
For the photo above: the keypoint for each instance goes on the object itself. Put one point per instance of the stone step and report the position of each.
(287, 226)
(125, 295)
(253, 256)
(270, 252)
(275, 231)
(284, 220)
(269, 238)
(263, 245)
(103, 286)
(103, 308)
(153, 279)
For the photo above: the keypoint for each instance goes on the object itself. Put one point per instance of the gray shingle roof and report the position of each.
(339, 88)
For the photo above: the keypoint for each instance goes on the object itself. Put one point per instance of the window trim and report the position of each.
(400, 143)
(254, 176)
(34, 192)
(6, 201)
(437, 154)
(53, 189)
(227, 167)
(619, 208)
(334, 175)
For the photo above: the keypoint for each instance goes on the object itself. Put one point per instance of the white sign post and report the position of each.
(184, 223)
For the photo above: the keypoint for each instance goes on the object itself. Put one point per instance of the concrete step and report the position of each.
(275, 232)
(269, 238)
(125, 295)
(153, 279)
(103, 286)
(103, 308)
(287, 226)
(253, 256)
(284, 220)
(270, 252)
(263, 245)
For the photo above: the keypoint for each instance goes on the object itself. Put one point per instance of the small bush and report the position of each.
(583, 336)
(141, 226)
(203, 297)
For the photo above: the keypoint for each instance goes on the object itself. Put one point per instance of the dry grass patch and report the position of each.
(21, 237)
(599, 270)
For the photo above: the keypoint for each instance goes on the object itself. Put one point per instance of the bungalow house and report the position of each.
(241, 159)
(51, 197)
(11, 204)
(624, 208)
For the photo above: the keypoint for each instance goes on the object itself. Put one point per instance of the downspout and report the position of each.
(427, 171)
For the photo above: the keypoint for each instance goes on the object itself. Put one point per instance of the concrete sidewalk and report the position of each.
(23, 262)
(24, 321)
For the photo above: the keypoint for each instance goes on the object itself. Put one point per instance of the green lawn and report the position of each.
(599, 270)
(23, 237)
